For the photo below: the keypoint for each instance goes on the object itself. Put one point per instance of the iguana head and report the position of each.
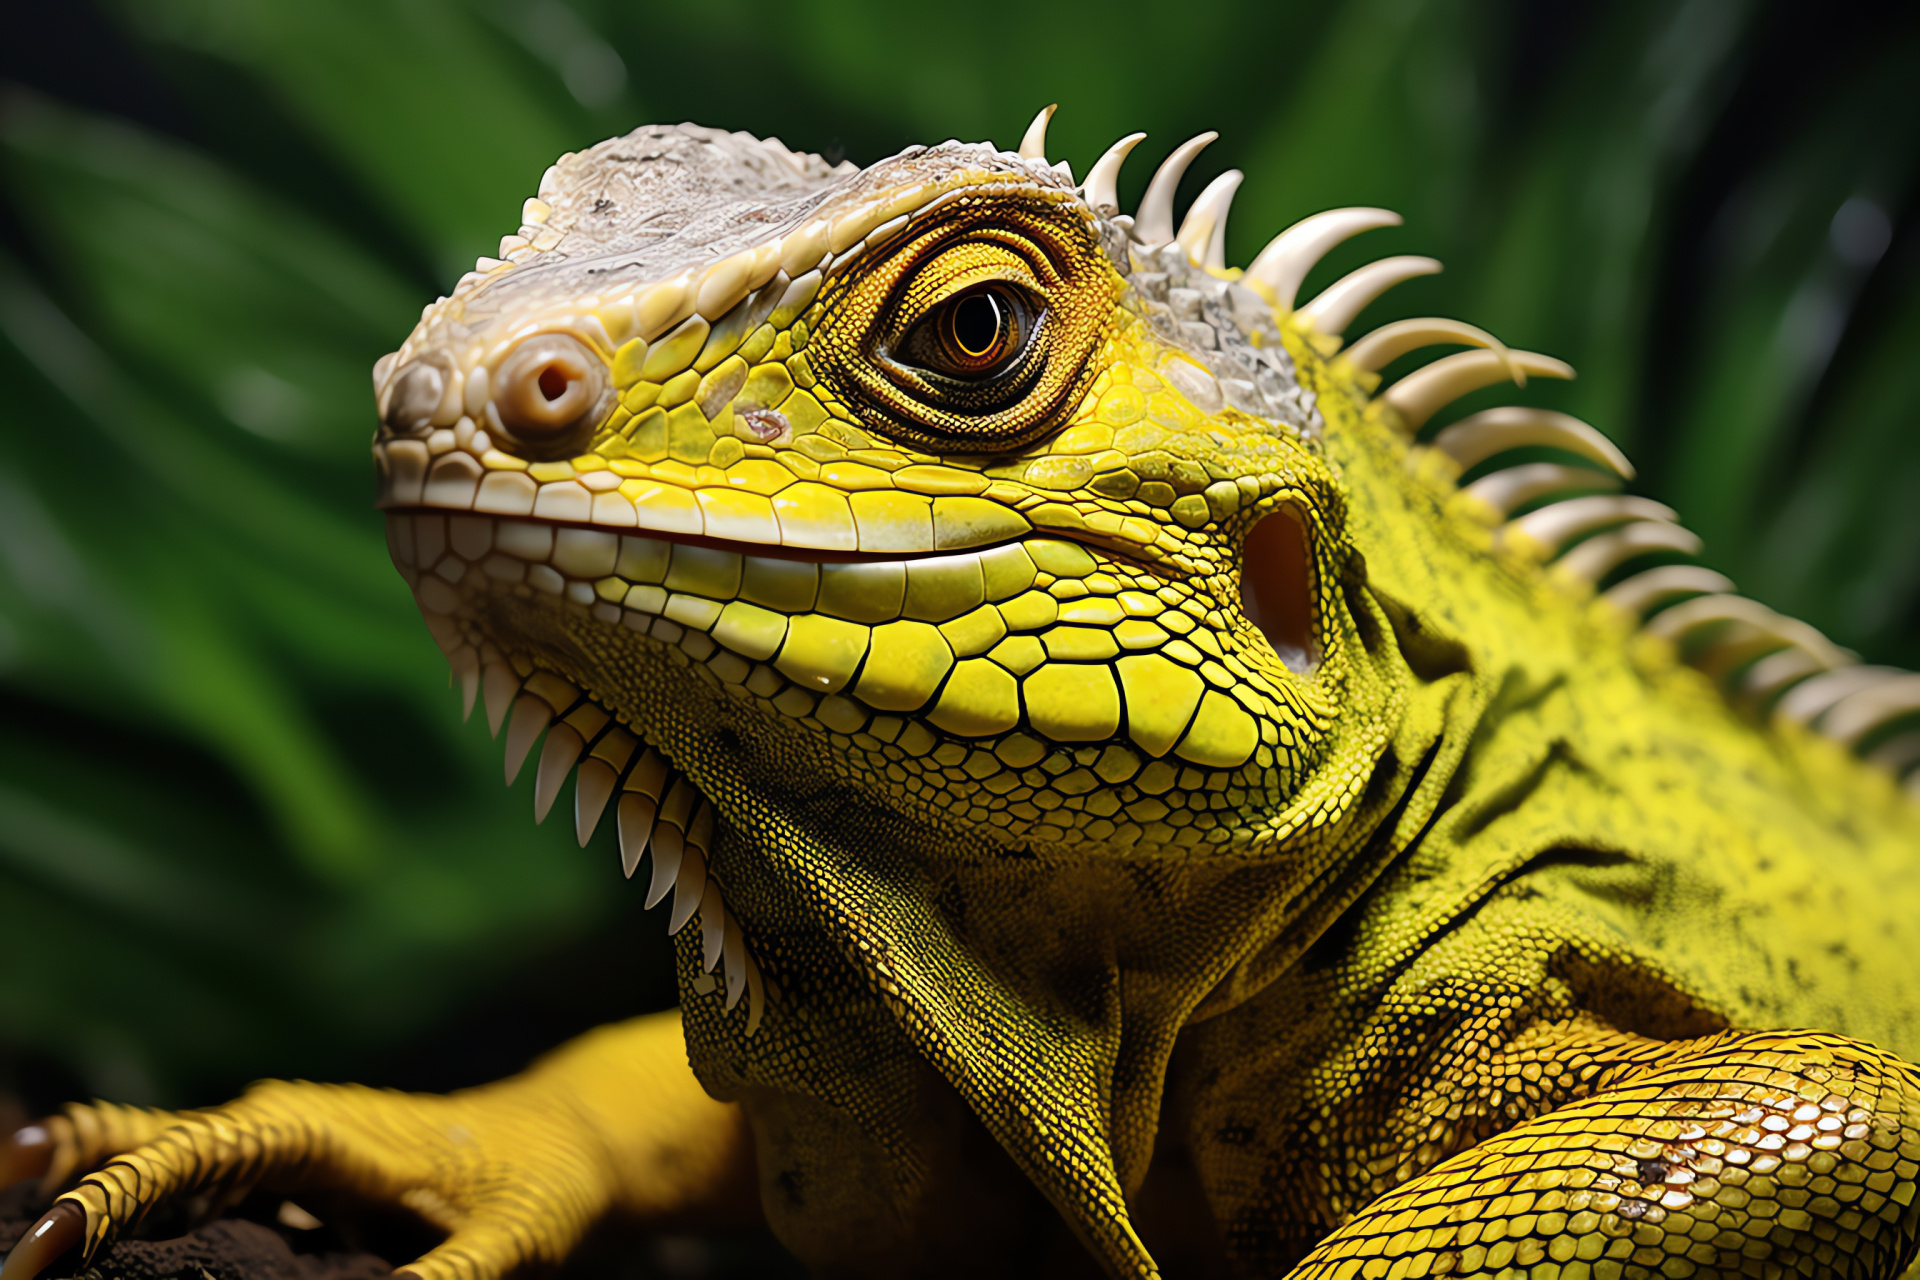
(931, 563)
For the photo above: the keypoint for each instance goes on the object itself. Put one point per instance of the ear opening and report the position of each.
(1276, 587)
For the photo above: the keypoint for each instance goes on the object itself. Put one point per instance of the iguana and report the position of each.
(1130, 796)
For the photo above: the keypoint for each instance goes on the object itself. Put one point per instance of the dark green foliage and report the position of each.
(241, 827)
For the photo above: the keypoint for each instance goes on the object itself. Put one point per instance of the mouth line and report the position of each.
(780, 551)
(770, 550)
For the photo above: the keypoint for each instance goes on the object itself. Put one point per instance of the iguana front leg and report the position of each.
(515, 1172)
(1755, 1153)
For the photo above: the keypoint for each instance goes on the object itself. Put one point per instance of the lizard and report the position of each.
(1133, 792)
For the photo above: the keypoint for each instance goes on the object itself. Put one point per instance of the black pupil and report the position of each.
(977, 322)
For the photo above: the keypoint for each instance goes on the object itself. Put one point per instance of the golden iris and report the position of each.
(978, 334)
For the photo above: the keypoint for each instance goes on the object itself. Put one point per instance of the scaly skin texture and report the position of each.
(1122, 787)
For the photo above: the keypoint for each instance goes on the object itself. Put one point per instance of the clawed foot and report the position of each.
(510, 1183)
(514, 1173)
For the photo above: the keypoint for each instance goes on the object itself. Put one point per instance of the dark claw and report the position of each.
(25, 1155)
(58, 1230)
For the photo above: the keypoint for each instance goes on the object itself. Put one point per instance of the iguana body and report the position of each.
(1110, 781)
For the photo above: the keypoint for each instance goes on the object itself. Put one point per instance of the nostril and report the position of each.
(415, 396)
(554, 382)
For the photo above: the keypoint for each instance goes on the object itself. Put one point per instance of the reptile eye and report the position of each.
(972, 330)
(973, 336)
(550, 392)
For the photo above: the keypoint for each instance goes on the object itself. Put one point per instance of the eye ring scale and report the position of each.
(968, 336)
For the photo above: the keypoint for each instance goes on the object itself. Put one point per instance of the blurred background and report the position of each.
(243, 831)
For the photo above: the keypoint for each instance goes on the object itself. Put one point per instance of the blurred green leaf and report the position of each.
(168, 572)
(413, 96)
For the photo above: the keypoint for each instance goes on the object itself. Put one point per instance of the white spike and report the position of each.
(1153, 223)
(1509, 488)
(1284, 263)
(735, 947)
(557, 758)
(1391, 341)
(1599, 556)
(1858, 714)
(1808, 700)
(1551, 528)
(498, 684)
(667, 847)
(466, 669)
(713, 928)
(1769, 675)
(1101, 188)
(1676, 622)
(1471, 441)
(1642, 591)
(1203, 233)
(635, 815)
(558, 755)
(1730, 647)
(1033, 145)
(592, 788)
(1427, 390)
(531, 715)
(688, 888)
(1340, 303)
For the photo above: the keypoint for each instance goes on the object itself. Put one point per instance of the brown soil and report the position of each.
(227, 1249)
(250, 1245)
